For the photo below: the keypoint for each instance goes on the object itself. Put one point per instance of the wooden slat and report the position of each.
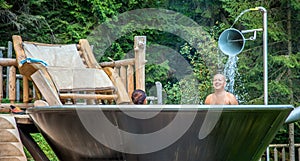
(298, 154)
(123, 74)
(275, 154)
(22, 105)
(117, 70)
(25, 90)
(33, 148)
(8, 62)
(23, 119)
(42, 44)
(12, 84)
(46, 89)
(283, 154)
(25, 69)
(37, 93)
(1, 83)
(130, 80)
(84, 54)
(88, 96)
(20, 54)
(140, 50)
(4, 109)
(88, 54)
(118, 63)
(123, 97)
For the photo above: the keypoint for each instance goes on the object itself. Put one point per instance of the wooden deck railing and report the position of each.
(132, 71)
(11, 89)
(280, 152)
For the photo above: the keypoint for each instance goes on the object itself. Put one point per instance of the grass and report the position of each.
(39, 139)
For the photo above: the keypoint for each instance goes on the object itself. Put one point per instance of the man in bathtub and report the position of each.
(220, 96)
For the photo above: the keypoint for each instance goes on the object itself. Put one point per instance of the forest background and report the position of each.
(67, 21)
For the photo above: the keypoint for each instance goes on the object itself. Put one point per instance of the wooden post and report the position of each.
(49, 93)
(9, 55)
(159, 93)
(117, 70)
(18, 91)
(291, 142)
(12, 84)
(140, 61)
(123, 97)
(299, 154)
(283, 153)
(33, 148)
(1, 78)
(130, 80)
(88, 55)
(25, 89)
(123, 75)
(275, 154)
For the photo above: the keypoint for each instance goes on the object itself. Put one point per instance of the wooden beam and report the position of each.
(123, 97)
(32, 147)
(88, 96)
(130, 80)
(25, 89)
(23, 119)
(8, 62)
(1, 83)
(123, 75)
(140, 61)
(20, 54)
(118, 63)
(25, 69)
(22, 105)
(12, 84)
(88, 54)
(46, 88)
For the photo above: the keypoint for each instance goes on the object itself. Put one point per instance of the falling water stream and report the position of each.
(230, 71)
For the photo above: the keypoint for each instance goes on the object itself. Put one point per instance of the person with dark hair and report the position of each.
(139, 97)
(220, 96)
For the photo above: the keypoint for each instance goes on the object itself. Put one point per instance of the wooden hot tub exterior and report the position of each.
(221, 133)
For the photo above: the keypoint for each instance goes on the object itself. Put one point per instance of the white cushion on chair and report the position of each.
(80, 79)
(66, 68)
(55, 55)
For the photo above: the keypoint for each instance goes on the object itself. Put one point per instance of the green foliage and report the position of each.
(173, 93)
(205, 61)
(5, 100)
(104, 9)
(185, 91)
(279, 93)
(286, 61)
(39, 139)
(4, 5)
(157, 71)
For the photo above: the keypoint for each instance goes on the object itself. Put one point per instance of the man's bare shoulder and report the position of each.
(208, 99)
(232, 99)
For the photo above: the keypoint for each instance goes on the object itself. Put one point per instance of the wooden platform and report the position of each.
(23, 119)
(11, 147)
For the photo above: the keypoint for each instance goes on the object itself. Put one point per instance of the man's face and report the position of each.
(219, 82)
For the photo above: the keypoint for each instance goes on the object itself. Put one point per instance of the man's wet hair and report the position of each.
(138, 96)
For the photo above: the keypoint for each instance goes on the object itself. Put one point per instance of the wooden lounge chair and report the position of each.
(68, 73)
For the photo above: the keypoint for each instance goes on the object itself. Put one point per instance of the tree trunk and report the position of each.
(291, 126)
